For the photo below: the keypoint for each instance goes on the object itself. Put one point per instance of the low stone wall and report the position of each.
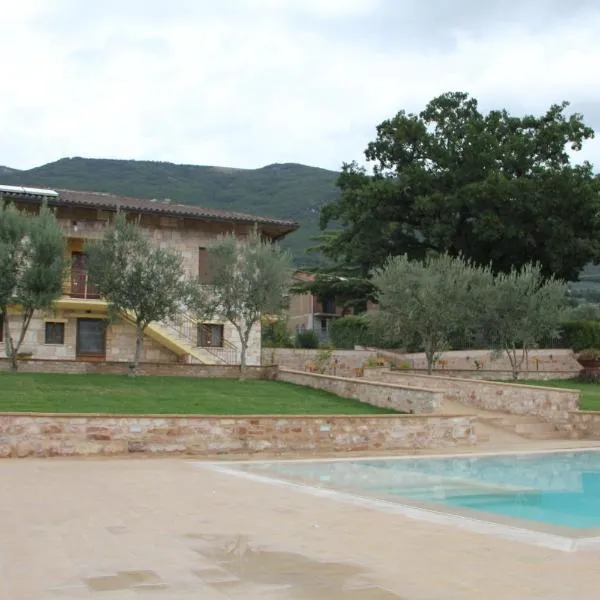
(552, 360)
(45, 435)
(585, 424)
(121, 368)
(551, 404)
(343, 362)
(407, 398)
(497, 374)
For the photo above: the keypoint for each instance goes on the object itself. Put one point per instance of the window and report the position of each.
(210, 335)
(328, 305)
(55, 333)
(203, 266)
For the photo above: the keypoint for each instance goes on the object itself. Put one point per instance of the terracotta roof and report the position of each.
(113, 202)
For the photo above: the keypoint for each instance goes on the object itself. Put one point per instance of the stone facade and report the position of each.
(121, 368)
(120, 339)
(344, 361)
(186, 236)
(551, 404)
(403, 398)
(43, 435)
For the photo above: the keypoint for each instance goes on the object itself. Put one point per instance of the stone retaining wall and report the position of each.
(120, 368)
(343, 361)
(44, 435)
(585, 424)
(497, 374)
(551, 404)
(541, 359)
(407, 398)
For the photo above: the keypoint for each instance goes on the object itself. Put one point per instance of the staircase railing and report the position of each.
(185, 326)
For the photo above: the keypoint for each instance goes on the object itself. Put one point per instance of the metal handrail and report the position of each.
(185, 326)
(82, 279)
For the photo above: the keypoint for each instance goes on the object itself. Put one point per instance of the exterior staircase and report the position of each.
(503, 429)
(179, 335)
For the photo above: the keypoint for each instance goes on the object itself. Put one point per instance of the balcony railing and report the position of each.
(78, 285)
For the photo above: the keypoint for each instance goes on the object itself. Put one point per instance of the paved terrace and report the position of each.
(165, 529)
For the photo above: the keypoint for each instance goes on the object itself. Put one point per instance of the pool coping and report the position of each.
(556, 538)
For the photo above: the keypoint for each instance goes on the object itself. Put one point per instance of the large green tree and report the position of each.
(498, 189)
(32, 268)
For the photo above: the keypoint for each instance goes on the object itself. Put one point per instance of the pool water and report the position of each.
(558, 488)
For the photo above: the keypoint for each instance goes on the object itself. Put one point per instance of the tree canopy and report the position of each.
(138, 280)
(429, 300)
(250, 278)
(498, 189)
(32, 268)
(521, 308)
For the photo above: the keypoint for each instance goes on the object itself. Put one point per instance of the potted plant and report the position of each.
(589, 358)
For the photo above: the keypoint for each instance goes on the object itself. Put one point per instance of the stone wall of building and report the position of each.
(397, 396)
(551, 404)
(43, 435)
(122, 368)
(343, 362)
(120, 340)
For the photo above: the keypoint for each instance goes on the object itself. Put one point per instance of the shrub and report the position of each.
(350, 331)
(579, 335)
(323, 359)
(275, 334)
(589, 376)
(307, 339)
(589, 354)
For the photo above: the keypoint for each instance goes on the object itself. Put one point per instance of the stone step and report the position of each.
(540, 427)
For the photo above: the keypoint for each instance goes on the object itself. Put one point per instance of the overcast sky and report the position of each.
(245, 83)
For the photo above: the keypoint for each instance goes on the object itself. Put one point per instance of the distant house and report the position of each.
(78, 327)
(307, 312)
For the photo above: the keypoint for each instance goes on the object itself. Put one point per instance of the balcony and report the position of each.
(78, 285)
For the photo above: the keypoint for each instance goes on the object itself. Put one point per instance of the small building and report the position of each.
(78, 327)
(307, 312)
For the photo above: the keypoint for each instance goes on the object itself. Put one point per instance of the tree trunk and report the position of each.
(139, 340)
(243, 353)
(12, 349)
(429, 355)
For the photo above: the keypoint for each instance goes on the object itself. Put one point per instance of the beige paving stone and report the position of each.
(132, 529)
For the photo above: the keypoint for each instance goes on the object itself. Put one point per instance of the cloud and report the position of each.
(246, 83)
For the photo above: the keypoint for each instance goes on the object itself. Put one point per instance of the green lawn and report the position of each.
(26, 392)
(590, 392)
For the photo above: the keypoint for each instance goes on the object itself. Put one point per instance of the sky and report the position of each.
(246, 83)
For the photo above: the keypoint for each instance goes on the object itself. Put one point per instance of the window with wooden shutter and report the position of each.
(204, 266)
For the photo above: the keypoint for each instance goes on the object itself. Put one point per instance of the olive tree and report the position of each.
(522, 307)
(249, 278)
(32, 268)
(137, 279)
(429, 300)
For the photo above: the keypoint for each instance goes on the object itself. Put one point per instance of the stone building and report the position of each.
(78, 327)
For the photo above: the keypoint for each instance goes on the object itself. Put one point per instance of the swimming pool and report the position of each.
(557, 492)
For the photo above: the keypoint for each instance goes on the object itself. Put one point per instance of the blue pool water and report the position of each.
(561, 488)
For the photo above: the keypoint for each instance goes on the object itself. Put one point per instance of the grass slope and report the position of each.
(45, 392)
(590, 392)
(289, 191)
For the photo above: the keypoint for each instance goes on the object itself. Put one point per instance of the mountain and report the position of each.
(288, 191)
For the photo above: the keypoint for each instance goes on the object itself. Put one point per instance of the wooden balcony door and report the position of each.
(80, 284)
